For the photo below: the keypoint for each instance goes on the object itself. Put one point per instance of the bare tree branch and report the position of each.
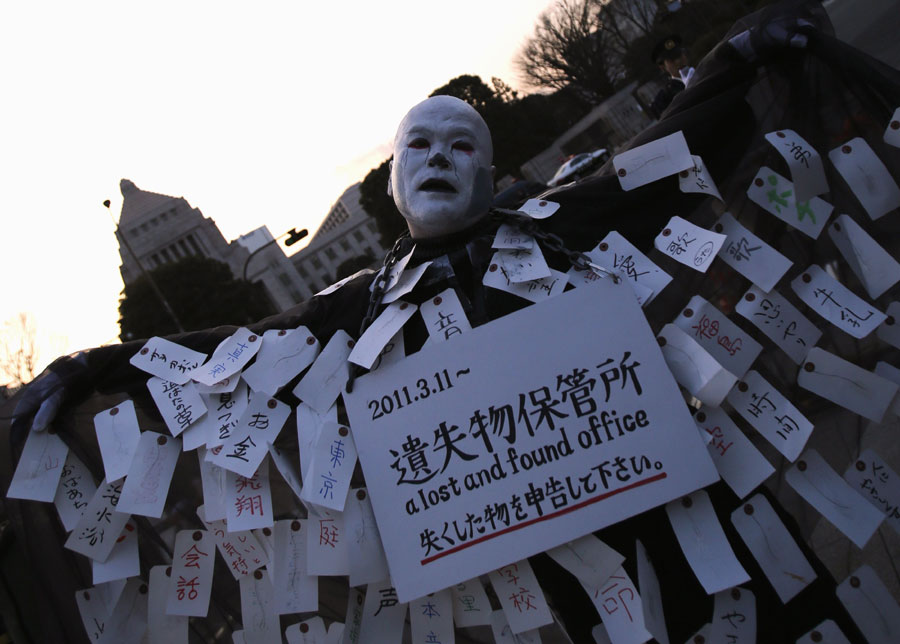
(18, 350)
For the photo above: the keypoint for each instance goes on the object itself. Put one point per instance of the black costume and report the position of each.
(829, 93)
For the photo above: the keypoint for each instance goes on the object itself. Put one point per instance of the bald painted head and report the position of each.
(441, 177)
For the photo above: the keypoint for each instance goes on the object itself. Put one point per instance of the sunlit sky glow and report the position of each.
(256, 113)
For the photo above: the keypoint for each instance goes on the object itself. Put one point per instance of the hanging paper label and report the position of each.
(780, 321)
(122, 562)
(179, 405)
(620, 608)
(471, 606)
(406, 283)
(383, 615)
(805, 164)
(522, 265)
(651, 597)
(147, 483)
(836, 303)
(229, 357)
(76, 488)
(366, 552)
(431, 618)
(127, 622)
(871, 605)
(873, 265)
(503, 634)
(693, 367)
(326, 378)
(309, 426)
(846, 384)
(382, 329)
(889, 330)
(538, 208)
(878, 484)
(749, 255)
(511, 237)
(261, 623)
(724, 340)
(534, 291)
(892, 131)
(117, 435)
(310, 631)
(616, 254)
(328, 478)
(283, 355)
(191, 579)
(734, 617)
(521, 597)
(822, 487)
(353, 621)
(775, 194)
(868, 178)
(257, 428)
(212, 478)
(698, 180)
(95, 534)
(689, 244)
(652, 161)
(444, 316)
(241, 551)
(588, 559)
(296, 591)
(167, 360)
(248, 500)
(825, 633)
(40, 467)
(394, 274)
(161, 626)
(327, 544)
(288, 465)
(741, 465)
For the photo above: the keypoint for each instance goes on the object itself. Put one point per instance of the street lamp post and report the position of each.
(293, 236)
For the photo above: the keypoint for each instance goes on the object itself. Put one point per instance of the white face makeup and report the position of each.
(441, 176)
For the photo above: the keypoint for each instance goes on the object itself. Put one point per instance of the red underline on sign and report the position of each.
(546, 517)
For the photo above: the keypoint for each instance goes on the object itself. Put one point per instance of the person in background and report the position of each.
(671, 57)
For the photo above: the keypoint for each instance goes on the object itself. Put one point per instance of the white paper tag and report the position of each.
(326, 378)
(693, 367)
(511, 237)
(147, 484)
(431, 618)
(521, 598)
(382, 329)
(535, 291)
(740, 464)
(444, 316)
(223, 386)
(704, 543)
(225, 411)
(689, 244)
(40, 466)
(282, 356)
(846, 384)
(353, 621)
(396, 271)
(805, 164)
(698, 180)
(248, 500)
(406, 283)
(836, 303)
(76, 488)
(749, 255)
(651, 597)
(310, 631)
(621, 609)
(257, 428)
(878, 484)
(179, 405)
(309, 425)
(773, 547)
(327, 544)
(503, 634)
(122, 561)
(589, 559)
(117, 435)
(229, 357)
(825, 633)
(331, 288)
(522, 265)
(190, 583)
(892, 131)
(261, 623)
(724, 340)
(538, 208)
(734, 617)
(95, 534)
(889, 330)
(366, 554)
(393, 351)
(471, 606)
(869, 180)
(771, 414)
(288, 465)
(241, 551)
(296, 591)
(383, 616)
(212, 478)
(873, 265)
(651, 161)
(127, 622)
(617, 254)
(775, 194)
(161, 626)
(871, 606)
(167, 360)
(780, 321)
(327, 480)
(824, 489)
(93, 611)
(891, 373)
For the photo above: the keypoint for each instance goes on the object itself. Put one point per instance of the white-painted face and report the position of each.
(441, 176)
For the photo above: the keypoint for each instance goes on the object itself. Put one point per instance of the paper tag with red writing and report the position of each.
(117, 435)
(619, 605)
(334, 457)
(76, 488)
(248, 500)
(775, 194)
(190, 583)
(327, 545)
(771, 414)
(704, 543)
(871, 476)
(734, 617)
(123, 560)
(843, 383)
(693, 367)
(366, 553)
(326, 378)
(749, 255)
(95, 534)
(444, 316)
(873, 265)
(40, 466)
(147, 483)
(296, 591)
(868, 178)
(805, 164)
(773, 547)
(871, 605)
(431, 617)
(688, 244)
(729, 344)
(836, 303)
(161, 626)
(258, 615)
(741, 465)
(471, 606)
(283, 355)
(257, 428)
(834, 498)
(521, 597)
(167, 360)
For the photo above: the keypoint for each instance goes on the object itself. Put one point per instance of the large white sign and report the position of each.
(521, 435)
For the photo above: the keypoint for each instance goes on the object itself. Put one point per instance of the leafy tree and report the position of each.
(202, 292)
(374, 199)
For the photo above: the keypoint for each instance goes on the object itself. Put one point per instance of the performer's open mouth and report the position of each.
(437, 185)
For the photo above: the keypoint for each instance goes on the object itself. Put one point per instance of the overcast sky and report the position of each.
(258, 114)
